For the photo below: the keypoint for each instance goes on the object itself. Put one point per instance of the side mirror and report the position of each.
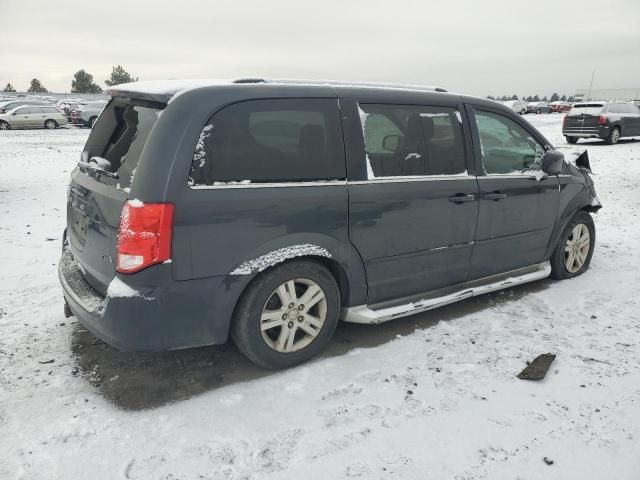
(552, 162)
(14, 114)
(391, 143)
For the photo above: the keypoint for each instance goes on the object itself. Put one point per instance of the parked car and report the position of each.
(86, 114)
(32, 116)
(6, 106)
(559, 107)
(538, 107)
(609, 121)
(270, 211)
(518, 106)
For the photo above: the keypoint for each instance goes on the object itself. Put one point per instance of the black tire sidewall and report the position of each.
(55, 124)
(610, 140)
(245, 327)
(558, 268)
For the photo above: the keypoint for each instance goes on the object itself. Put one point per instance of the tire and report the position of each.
(4, 125)
(523, 112)
(288, 341)
(538, 112)
(92, 120)
(561, 264)
(572, 140)
(614, 136)
(50, 124)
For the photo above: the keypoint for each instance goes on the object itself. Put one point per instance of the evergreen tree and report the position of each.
(36, 87)
(570, 99)
(555, 97)
(544, 99)
(514, 97)
(83, 83)
(9, 88)
(536, 98)
(563, 98)
(529, 98)
(119, 75)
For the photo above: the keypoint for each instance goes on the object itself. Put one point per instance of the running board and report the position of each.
(363, 314)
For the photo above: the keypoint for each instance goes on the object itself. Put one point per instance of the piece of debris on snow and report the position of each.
(537, 369)
(47, 361)
(548, 461)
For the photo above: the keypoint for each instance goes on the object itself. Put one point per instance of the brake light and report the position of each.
(144, 235)
(602, 120)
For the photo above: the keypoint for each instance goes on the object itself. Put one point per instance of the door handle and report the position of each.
(495, 196)
(461, 198)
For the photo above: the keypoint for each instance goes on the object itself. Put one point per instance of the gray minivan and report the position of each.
(269, 211)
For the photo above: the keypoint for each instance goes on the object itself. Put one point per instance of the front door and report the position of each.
(414, 216)
(518, 203)
(22, 117)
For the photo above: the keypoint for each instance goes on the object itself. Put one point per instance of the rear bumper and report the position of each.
(170, 316)
(587, 132)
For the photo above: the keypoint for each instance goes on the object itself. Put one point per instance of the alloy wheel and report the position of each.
(577, 248)
(50, 124)
(293, 315)
(4, 126)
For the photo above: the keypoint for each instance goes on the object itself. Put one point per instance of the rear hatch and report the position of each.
(101, 183)
(583, 116)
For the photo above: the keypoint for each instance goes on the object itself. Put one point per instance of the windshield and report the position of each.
(586, 109)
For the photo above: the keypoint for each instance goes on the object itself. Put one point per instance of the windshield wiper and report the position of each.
(96, 168)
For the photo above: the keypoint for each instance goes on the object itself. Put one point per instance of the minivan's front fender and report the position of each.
(575, 195)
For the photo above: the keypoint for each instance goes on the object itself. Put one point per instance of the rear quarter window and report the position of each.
(266, 141)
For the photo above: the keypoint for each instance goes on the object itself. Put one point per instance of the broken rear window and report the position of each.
(118, 137)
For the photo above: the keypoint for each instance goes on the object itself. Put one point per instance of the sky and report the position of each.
(488, 47)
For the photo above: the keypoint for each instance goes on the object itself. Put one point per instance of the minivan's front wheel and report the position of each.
(50, 124)
(573, 253)
(4, 125)
(287, 315)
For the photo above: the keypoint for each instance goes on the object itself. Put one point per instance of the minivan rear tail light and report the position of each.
(602, 120)
(144, 235)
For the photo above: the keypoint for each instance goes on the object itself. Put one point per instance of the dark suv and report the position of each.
(609, 121)
(269, 211)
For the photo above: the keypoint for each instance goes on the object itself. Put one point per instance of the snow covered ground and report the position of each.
(434, 396)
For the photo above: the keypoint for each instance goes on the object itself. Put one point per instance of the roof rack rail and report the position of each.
(249, 80)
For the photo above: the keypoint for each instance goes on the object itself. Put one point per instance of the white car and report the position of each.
(32, 116)
(517, 106)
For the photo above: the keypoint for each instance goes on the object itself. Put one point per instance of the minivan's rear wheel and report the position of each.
(573, 253)
(614, 136)
(4, 125)
(50, 124)
(572, 140)
(287, 315)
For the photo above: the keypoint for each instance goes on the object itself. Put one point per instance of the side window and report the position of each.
(506, 146)
(409, 141)
(283, 140)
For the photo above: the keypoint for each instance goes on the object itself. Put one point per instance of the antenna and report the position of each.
(590, 85)
(588, 99)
